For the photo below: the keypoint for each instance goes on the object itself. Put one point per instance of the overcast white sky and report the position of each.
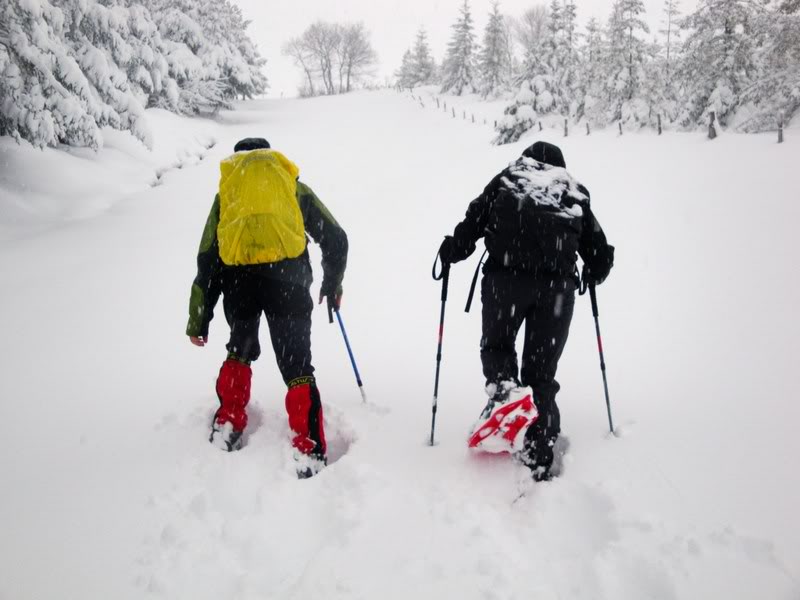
(393, 24)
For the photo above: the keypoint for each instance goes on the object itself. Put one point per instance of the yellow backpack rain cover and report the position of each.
(259, 217)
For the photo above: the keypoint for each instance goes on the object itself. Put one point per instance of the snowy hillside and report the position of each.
(110, 489)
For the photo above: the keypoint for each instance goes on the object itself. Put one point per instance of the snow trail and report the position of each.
(116, 492)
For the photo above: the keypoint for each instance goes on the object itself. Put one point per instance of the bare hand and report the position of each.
(198, 340)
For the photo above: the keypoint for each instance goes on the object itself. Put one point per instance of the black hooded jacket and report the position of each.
(535, 218)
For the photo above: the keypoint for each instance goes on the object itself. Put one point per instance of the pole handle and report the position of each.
(443, 276)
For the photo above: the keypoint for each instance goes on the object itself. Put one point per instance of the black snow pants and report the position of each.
(287, 306)
(545, 306)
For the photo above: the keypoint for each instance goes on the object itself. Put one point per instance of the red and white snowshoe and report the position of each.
(503, 430)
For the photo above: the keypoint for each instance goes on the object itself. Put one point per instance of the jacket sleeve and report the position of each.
(330, 236)
(473, 227)
(207, 285)
(596, 252)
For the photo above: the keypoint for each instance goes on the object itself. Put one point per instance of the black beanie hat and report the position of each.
(546, 153)
(251, 144)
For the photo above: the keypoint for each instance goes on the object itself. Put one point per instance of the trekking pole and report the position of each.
(350, 352)
(444, 277)
(595, 312)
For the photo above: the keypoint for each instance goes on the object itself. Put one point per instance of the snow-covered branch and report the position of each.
(71, 67)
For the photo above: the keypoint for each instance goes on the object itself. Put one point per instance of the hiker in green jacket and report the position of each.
(254, 251)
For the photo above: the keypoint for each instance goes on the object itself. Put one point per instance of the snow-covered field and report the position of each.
(110, 489)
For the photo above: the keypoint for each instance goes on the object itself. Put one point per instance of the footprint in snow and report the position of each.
(338, 433)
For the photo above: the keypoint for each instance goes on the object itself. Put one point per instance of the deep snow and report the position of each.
(110, 489)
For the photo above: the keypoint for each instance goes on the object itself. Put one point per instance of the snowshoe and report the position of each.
(498, 394)
(503, 424)
(307, 466)
(224, 437)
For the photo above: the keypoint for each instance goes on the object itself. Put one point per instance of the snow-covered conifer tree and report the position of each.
(71, 67)
(240, 63)
(405, 77)
(208, 52)
(538, 93)
(551, 98)
(663, 70)
(224, 29)
(512, 62)
(423, 67)
(626, 59)
(518, 117)
(45, 97)
(568, 73)
(591, 92)
(122, 69)
(671, 35)
(459, 70)
(494, 57)
(719, 59)
(774, 95)
(185, 50)
(654, 89)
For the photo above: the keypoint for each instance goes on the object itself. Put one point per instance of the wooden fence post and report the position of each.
(437, 103)
(587, 129)
(454, 112)
(780, 128)
(659, 124)
(540, 125)
(566, 128)
(712, 131)
(620, 127)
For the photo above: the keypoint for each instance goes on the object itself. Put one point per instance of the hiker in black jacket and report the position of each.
(535, 218)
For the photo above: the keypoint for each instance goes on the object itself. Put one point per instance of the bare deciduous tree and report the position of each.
(358, 55)
(531, 27)
(297, 50)
(334, 56)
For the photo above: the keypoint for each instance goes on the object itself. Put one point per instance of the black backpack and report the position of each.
(536, 219)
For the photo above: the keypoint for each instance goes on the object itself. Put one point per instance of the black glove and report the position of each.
(330, 288)
(447, 250)
(586, 277)
(596, 272)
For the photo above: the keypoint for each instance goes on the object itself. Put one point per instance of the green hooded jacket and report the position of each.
(211, 271)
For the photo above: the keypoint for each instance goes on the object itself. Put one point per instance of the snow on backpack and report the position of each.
(259, 217)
